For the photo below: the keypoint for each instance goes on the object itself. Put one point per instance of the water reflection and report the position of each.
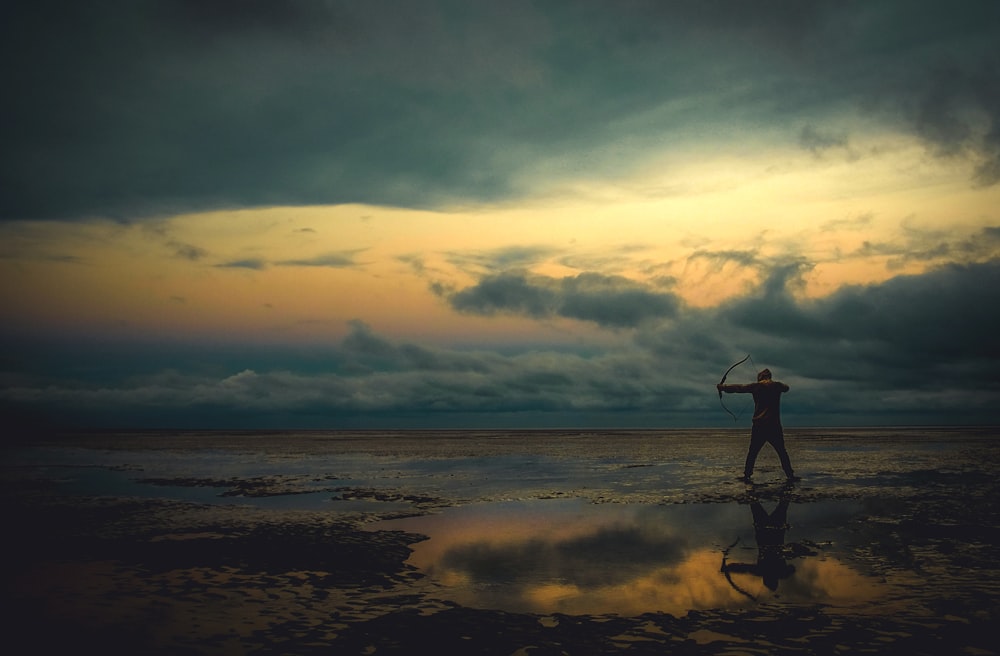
(772, 554)
(577, 558)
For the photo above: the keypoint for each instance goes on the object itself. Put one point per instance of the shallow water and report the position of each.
(578, 542)
(573, 557)
(680, 466)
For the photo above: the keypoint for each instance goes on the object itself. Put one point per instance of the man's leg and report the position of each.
(778, 442)
(756, 444)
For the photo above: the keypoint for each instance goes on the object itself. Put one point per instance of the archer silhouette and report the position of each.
(766, 420)
(771, 565)
(772, 553)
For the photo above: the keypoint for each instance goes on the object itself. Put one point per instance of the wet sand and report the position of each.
(502, 543)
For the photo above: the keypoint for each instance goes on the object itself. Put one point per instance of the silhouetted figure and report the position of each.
(769, 531)
(766, 420)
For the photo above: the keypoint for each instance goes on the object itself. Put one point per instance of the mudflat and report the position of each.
(501, 542)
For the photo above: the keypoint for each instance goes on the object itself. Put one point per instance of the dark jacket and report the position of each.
(766, 399)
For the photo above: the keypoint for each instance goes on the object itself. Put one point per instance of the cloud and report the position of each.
(920, 347)
(229, 17)
(187, 251)
(916, 348)
(719, 259)
(500, 259)
(254, 263)
(338, 260)
(607, 260)
(154, 108)
(369, 352)
(936, 246)
(367, 376)
(858, 223)
(959, 111)
(610, 301)
(817, 141)
(941, 315)
(912, 345)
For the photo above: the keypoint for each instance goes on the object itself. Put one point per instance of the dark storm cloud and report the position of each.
(959, 111)
(920, 347)
(610, 301)
(369, 352)
(138, 108)
(915, 349)
(366, 376)
(945, 316)
(222, 17)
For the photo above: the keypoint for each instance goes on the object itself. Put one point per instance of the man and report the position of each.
(766, 420)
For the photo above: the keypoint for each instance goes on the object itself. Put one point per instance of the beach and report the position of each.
(502, 542)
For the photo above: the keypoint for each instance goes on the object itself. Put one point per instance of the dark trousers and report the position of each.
(759, 436)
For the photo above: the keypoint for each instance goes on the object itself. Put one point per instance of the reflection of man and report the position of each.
(769, 531)
(766, 420)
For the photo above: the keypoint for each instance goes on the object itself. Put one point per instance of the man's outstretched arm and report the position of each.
(735, 389)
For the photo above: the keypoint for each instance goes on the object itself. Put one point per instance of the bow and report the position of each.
(723, 381)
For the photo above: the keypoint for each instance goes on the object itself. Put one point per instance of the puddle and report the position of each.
(573, 557)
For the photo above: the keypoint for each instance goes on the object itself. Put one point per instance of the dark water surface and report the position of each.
(373, 542)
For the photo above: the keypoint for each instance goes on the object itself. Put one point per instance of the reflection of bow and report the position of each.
(726, 567)
(723, 381)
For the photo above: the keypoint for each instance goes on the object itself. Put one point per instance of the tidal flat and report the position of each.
(502, 542)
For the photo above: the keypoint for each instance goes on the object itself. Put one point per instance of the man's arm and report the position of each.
(736, 389)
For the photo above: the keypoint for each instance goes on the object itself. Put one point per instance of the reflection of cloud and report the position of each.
(534, 575)
(831, 581)
(575, 558)
(601, 558)
(693, 584)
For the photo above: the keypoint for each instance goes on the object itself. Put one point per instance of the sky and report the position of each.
(430, 214)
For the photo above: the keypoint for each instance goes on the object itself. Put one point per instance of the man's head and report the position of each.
(764, 375)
